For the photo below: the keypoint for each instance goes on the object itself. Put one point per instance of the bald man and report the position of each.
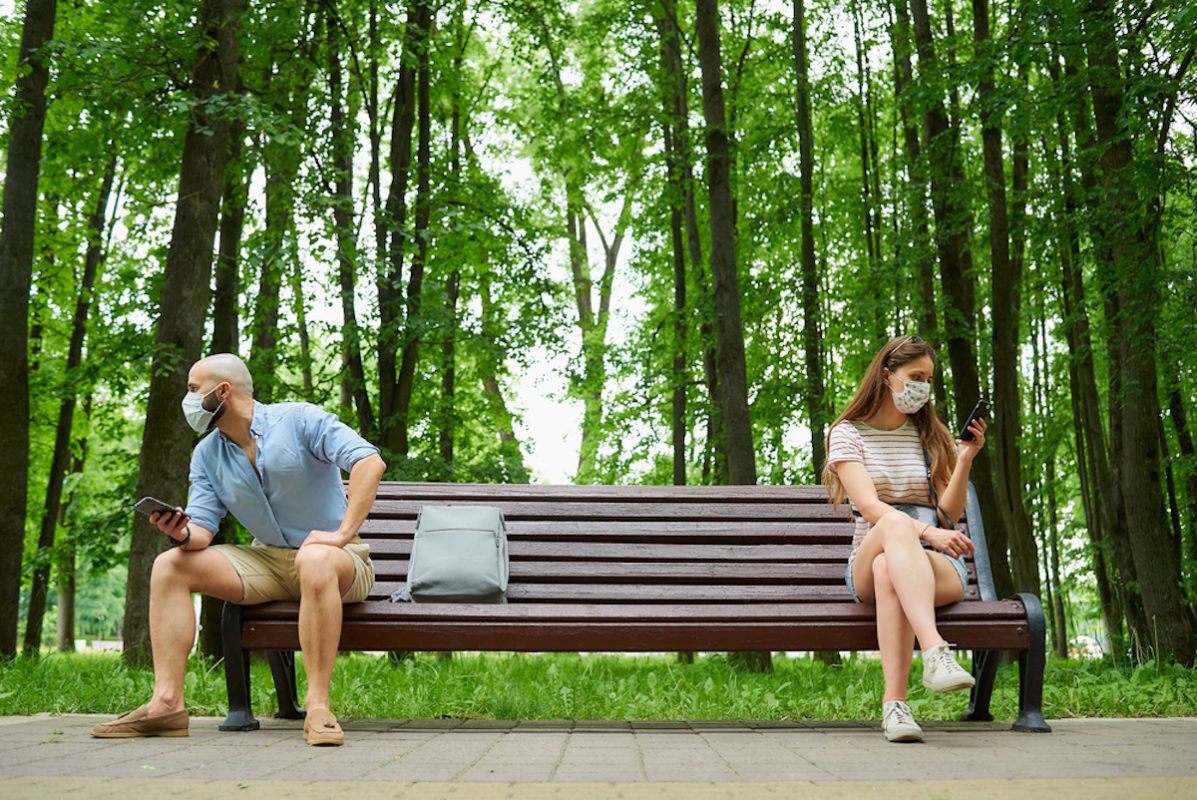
(277, 468)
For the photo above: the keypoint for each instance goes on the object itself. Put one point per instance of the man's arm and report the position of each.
(363, 488)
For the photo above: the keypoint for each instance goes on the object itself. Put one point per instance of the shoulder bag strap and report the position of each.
(940, 514)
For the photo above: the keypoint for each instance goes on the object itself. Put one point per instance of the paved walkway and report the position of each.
(47, 756)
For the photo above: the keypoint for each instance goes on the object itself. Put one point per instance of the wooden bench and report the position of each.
(645, 569)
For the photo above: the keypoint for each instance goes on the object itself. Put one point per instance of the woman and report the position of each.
(889, 447)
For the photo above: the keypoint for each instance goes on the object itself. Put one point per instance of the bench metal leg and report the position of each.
(236, 672)
(985, 664)
(282, 667)
(1031, 664)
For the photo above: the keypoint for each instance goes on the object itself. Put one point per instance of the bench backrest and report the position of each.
(643, 544)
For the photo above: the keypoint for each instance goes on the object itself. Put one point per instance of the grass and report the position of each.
(568, 686)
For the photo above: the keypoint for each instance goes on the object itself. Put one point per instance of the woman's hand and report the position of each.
(954, 543)
(967, 451)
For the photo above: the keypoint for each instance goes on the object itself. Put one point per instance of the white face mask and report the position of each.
(914, 395)
(199, 418)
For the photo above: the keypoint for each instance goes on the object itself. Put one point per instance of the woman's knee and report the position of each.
(881, 580)
(894, 527)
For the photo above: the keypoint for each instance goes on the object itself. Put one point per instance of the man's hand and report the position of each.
(172, 523)
(331, 538)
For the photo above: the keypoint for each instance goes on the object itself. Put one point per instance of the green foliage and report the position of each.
(541, 109)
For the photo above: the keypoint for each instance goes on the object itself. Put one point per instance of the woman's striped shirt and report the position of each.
(893, 459)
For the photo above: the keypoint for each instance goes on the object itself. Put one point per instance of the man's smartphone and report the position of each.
(980, 411)
(150, 505)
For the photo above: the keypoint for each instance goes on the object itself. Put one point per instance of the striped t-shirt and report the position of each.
(893, 459)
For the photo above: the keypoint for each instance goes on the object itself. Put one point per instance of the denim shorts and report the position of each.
(957, 562)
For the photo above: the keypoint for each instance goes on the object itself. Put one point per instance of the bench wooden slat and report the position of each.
(658, 593)
(746, 532)
(479, 493)
(638, 551)
(624, 635)
(567, 614)
(648, 510)
(664, 572)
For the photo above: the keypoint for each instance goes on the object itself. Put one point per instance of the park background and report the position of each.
(604, 242)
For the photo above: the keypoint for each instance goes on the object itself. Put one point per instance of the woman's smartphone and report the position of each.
(150, 505)
(980, 411)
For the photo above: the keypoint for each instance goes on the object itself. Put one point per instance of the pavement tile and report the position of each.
(615, 772)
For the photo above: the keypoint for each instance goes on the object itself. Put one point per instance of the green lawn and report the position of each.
(565, 686)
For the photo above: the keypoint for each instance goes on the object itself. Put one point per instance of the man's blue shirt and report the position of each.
(302, 450)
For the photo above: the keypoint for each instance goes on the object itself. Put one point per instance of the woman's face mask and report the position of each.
(914, 395)
(201, 419)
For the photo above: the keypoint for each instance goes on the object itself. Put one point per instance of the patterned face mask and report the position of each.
(914, 395)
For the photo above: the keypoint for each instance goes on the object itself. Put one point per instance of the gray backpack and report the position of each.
(459, 555)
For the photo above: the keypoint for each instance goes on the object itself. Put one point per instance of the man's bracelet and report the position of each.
(924, 530)
(184, 542)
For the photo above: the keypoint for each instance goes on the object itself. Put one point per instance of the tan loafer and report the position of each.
(135, 723)
(321, 728)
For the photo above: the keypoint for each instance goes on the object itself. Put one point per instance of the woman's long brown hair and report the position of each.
(933, 434)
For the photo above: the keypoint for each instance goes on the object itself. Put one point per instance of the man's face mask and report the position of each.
(199, 416)
(914, 395)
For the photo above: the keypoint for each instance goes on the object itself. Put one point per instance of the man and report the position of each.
(277, 468)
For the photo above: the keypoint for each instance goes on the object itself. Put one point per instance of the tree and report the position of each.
(166, 442)
(733, 379)
(1006, 272)
(16, 269)
(66, 418)
(1133, 288)
(811, 336)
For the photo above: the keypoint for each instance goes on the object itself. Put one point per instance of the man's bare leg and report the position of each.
(325, 574)
(176, 575)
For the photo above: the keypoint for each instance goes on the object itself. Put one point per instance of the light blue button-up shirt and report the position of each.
(302, 450)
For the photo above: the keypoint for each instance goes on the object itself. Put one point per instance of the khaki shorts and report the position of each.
(268, 573)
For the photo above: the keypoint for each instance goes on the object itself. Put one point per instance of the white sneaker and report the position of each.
(941, 673)
(898, 723)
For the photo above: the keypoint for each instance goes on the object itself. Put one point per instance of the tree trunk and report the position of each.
(66, 417)
(676, 161)
(729, 330)
(449, 374)
(390, 296)
(301, 323)
(1184, 439)
(1096, 483)
(67, 580)
(1135, 290)
(342, 209)
(811, 333)
(166, 442)
(226, 336)
(415, 283)
(877, 307)
(1006, 276)
(280, 198)
(500, 415)
(16, 270)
